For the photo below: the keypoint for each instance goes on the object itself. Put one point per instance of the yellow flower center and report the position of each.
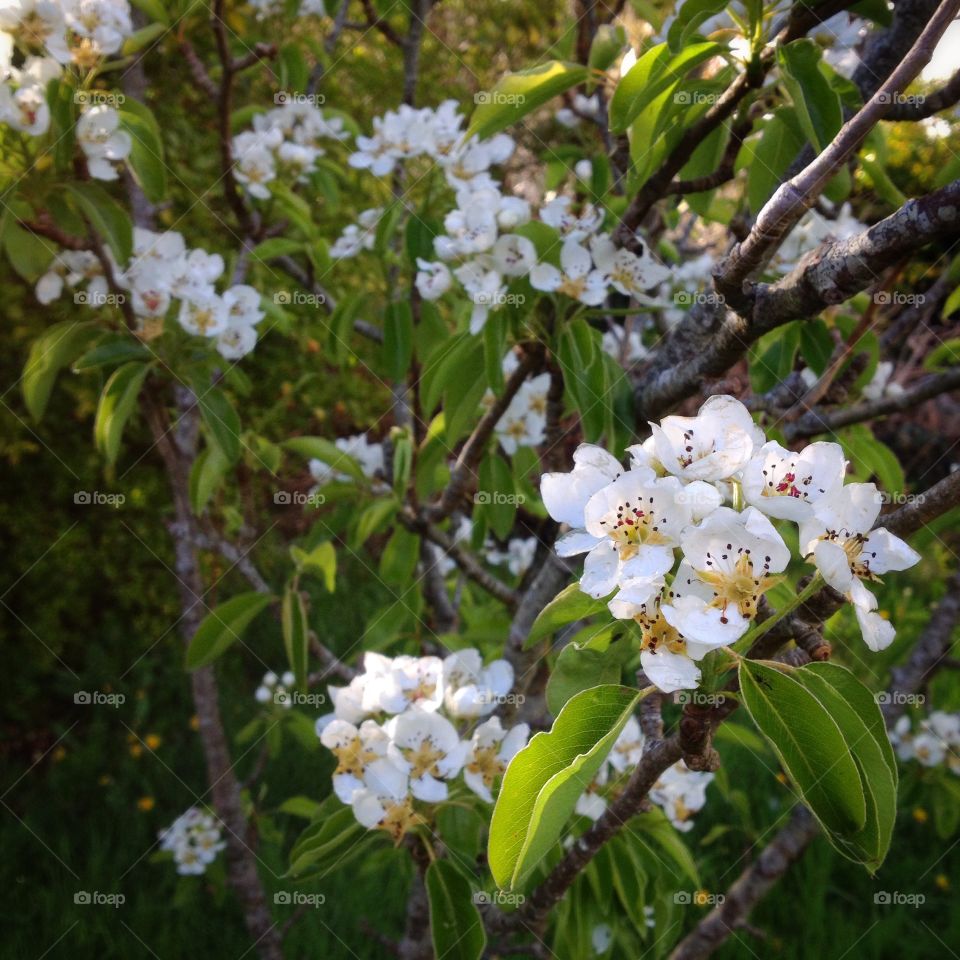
(423, 759)
(486, 762)
(354, 757)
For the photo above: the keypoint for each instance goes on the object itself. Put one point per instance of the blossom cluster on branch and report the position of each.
(407, 727)
(685, 537)
(194, 840)
(935, 740)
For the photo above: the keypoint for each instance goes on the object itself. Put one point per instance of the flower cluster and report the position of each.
(480, 247)
(103, 143)
(680, 792)
(706, 488)
(936, 740)
(194, 840)
(394, 736)
(44, 37)
(274, 689)
(163, 277)
(284, 144)
(524, 422)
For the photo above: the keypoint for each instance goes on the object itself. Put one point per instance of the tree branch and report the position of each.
(816, 421)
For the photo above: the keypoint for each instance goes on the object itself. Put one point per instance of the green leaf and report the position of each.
(57, 346)
(223, 626)
(106, 216)
(117, 403)
(570, 604)
(581, 667)
(689, 17)
(397, 340)
(296, 634)
(206, 475)
(856, 712)
(146, 154)
(321, 561)
(374, 518)
(143, 38)
(544, 780)
(110, 352)
(517, 94)
(652, 75)
(221, 421)
(655, 826)
(809, 744)
(327, 451)
(817, 104)
(326, 840)
(780, 142)
(455, 923)
(29, 254)
(399, 558)
(607, 43)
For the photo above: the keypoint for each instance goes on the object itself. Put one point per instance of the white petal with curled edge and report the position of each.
(428, 789)
(600, 571)
(834, 565)
(514, 742)
(702, 498)
(367, 808)
(499, 677)
(574, 542)
(877, 633)
(852, 508)
(651, 561)
(670, 671)
(887, 551)
(545, 277)
(345, 785)
(703, 624)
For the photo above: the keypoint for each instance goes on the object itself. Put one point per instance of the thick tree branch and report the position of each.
(793, 198)
(816, 421)
(712, 338)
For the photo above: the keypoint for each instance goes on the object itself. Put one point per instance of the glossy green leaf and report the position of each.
(544, 780)
(455, 922)
(221, 420)
(517, 94)
(855, 710)
(57, 346)
(320, 448)
(809, 744)
(223, 626)
(652, 75)
(106, 216)
(296, 634)
(117, 402)
(817, 104)
(570, 604)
